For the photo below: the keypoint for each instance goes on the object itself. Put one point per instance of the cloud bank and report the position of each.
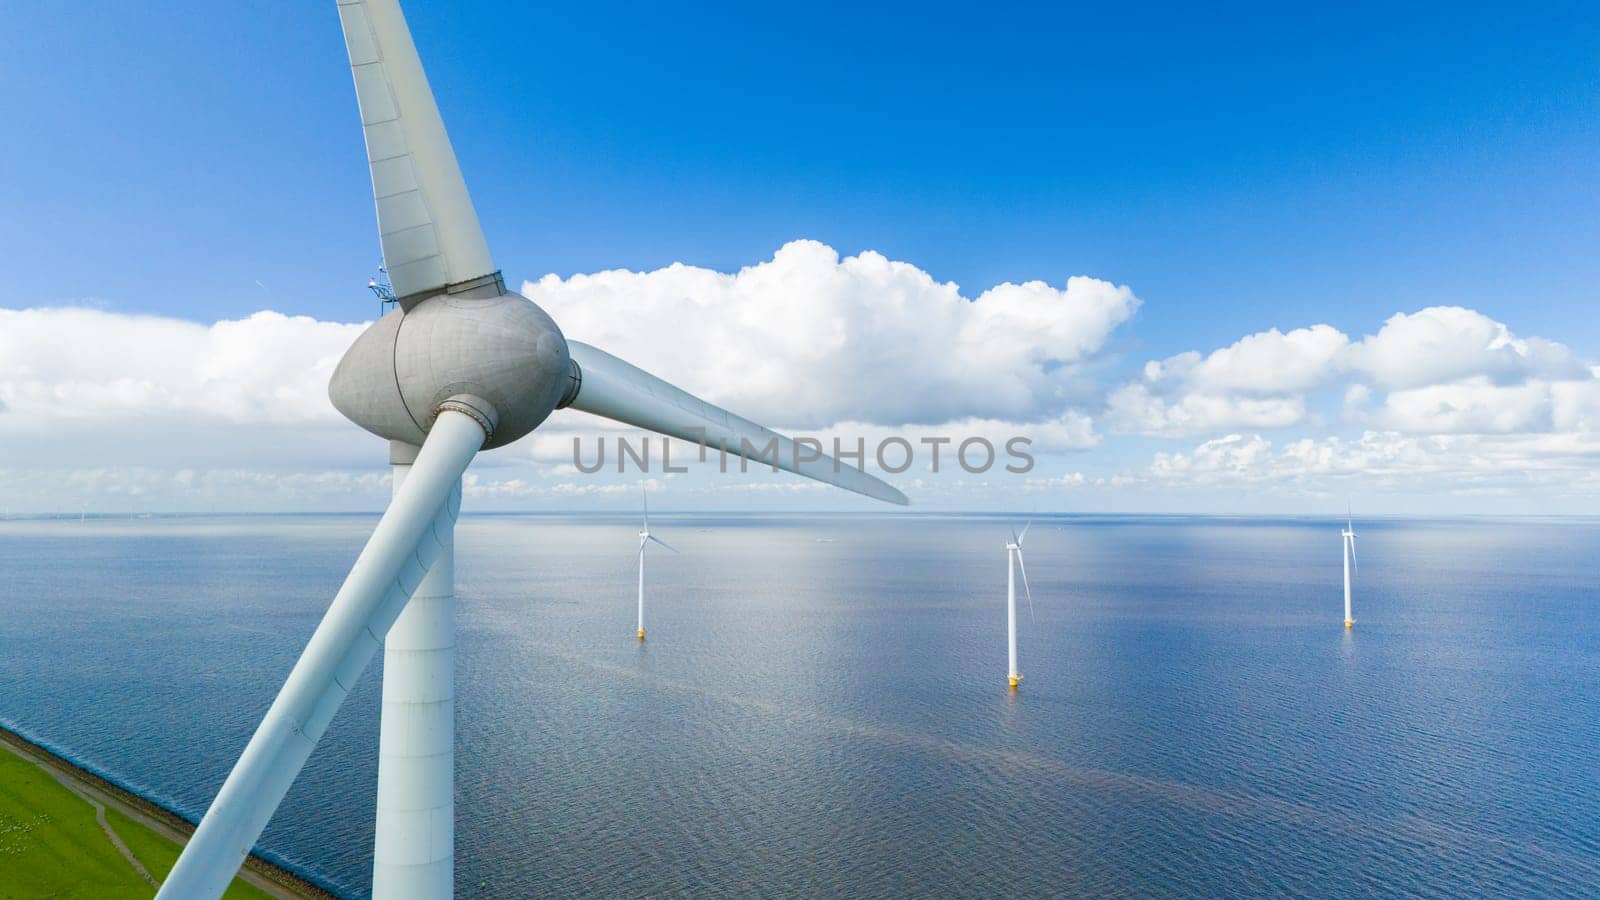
(146, 409)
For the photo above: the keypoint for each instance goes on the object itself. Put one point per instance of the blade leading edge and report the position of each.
(426, 223)
(1025, 589)
(390, 567)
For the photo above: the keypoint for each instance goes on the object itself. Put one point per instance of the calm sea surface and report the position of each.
(821, 706)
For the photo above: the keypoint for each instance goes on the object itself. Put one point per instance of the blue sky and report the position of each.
(1247, 168)
(1239, 168)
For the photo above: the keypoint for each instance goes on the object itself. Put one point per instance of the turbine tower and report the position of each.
(459, 365)
(1013, 565)
(1349, 535)
(645, 537)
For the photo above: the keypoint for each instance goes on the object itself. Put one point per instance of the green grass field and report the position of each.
(51, 845)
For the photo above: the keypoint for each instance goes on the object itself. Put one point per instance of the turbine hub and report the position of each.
(484, 343)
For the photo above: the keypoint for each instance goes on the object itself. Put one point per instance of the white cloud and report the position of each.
(1259, 381)
(1389, 461)
(1058, 482)
(1231, 458)
(127, 412)
(1356, 397)
(1476, 406)
(1443, 344)
(476, 486)
(1444, 370)
(1137, 409)
(66, 363)
(856, 347)
(807, 339)
(1479, 406)
(1270, 363)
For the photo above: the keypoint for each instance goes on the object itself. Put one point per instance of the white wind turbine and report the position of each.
(645, 537)
(1013, 565)
(459, 365)
(1349, 535)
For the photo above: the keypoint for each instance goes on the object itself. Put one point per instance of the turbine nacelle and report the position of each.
(481, 342)
(1017, 539)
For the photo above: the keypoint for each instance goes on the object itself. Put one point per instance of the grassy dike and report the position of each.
(65, 832)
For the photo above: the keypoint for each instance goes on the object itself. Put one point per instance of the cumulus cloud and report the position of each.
(66, 363)
(1069, 431)
(1479, 406)
(133, 409)
(1234, 457)
(1266, 363)
(1259, 381)
(854, 347)
(1388, 460)
(807, 339)
(1442, 344)
(1137, 409)
(1440, 370)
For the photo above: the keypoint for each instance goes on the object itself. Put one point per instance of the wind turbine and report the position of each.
(1349, 535)
(460, 364)
(1013, 565)
(645, 537)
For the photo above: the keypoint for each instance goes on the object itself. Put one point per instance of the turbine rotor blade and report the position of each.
(646, 495)
(1025, 589)
(391, 566)
(663, 543)
(1024, 535)
(1356, 563)
(623, 392)
(426, 223)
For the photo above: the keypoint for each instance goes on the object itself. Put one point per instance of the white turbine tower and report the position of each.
(1349, 535)
(1013, 565)
(645, 537)
(459, 365)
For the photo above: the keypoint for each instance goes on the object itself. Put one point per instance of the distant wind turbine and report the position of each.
(645, 537)
(1013, 565)
(1349, 535)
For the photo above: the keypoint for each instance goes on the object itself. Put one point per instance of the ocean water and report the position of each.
(821, 708)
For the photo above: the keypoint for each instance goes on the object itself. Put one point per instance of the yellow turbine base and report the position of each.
(1349, 622)
(641, 634)
(1012, 680)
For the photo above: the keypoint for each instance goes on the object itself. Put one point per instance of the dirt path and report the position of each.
(275, 882)
(100, 816)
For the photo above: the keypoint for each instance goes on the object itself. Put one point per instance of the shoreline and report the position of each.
(266, 875)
